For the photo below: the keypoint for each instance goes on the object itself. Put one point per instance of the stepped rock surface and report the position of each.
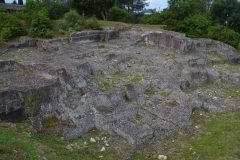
(134, 82)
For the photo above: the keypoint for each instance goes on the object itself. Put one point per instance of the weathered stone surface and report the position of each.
(123, 87)
(27, 41)
(193, 77)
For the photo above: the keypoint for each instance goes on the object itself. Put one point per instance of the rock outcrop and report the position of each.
(139, 84)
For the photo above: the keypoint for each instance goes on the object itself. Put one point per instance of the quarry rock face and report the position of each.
(131, 82)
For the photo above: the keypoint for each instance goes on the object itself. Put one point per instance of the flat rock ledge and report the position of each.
(133, 82)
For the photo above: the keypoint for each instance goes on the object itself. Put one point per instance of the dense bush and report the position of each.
(10, 26)
(61, 24)
(72, 18)
(92, 23)
(196, 26)
(31, 7)
(36, 15)
(118, 14)
(224, 34)
(153, 18)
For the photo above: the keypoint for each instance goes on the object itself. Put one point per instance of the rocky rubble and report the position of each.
(135, 83)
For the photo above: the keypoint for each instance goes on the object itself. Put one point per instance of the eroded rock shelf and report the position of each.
(132, 82)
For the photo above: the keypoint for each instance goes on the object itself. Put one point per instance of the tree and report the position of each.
(20, 2)
(14, 2)
(104, 6)
(226, 12)
(2, 1)
(132, 5)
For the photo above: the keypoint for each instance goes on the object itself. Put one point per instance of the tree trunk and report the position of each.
(103, 16)
(106, 15)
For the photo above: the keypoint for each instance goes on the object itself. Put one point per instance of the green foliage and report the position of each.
(195, 26)
(61, 24)
(2, 1)
(17, 15)
(226, 12)
(20, 2)
(32, 99)
(57, 10)
(72, 18)
(118, 14)
(224, 34)
(10, 26)
(182, 8)
(36, 15)
(153, 18)
(9, 142)
(92, 23)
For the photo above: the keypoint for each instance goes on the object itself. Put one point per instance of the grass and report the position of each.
(19, 144)
(136, 79)
(104, 85)
(119, 75)
(219, 139)
(150, 26)
(164, 94)
(113, 24)
(227, 90)
(215, 55)
(6, 56)
(150, 92)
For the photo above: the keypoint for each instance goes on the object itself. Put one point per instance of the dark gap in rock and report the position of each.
(14, 116)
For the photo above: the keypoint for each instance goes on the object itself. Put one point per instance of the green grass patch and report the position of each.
(150, 92)
(220, 139)
(119, 75)
(214, 55)
(136, 79)
(164, 94)
(6, 56)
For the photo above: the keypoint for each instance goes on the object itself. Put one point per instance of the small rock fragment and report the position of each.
(103, 149)
(92, 140)
(162, 157)
(69, 147)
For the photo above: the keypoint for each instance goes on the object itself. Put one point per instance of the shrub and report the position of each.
(10, 26)
(118, 14)
(40, 24)
(92, 23)
(72, 17)
(224, 34)
(31, 7)
(17, 15)
(196, 26)
(61, 24)
(36, 15)
(153, 18)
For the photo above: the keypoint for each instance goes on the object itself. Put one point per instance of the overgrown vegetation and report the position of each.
(10, 26)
